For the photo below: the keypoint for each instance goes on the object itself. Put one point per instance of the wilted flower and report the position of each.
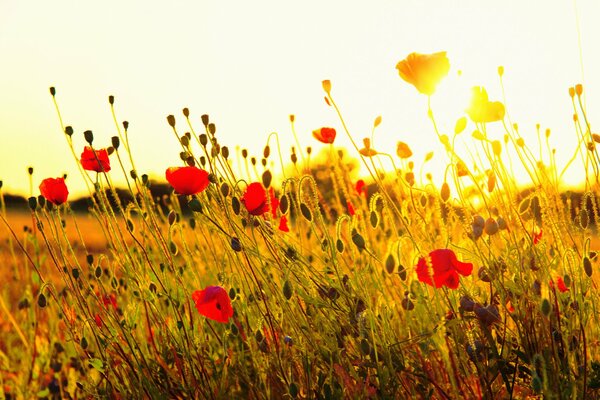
(424, 71)
(367, 151)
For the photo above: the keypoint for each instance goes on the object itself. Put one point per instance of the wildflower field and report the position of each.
(298, 278)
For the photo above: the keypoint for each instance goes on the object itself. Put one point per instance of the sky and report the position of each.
(249, 65)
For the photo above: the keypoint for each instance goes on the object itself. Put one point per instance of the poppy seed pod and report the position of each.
(69, 130)
(171, 120)
(111, 99)
(88, 136)
(212, 128)
(225, 152)
(204, 118)
(125, 125)
(186, 112)
(115, 142)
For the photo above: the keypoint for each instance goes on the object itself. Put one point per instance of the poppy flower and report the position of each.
(482, 110)
(110, 300)
(560, 284)
(324, 135)
(187, 180)
(367, 151)
(274, 201)
(360, 187)
(403, 150)
(95, 160)
(537, 237)
(54, 190)
(255, 199)
(350, 207)
(283, 225)
(214, 303)
(445, 269)
(98, 320)
(424, 71)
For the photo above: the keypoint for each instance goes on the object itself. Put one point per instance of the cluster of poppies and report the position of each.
(55, 189)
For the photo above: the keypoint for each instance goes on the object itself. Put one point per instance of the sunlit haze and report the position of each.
(252, 64)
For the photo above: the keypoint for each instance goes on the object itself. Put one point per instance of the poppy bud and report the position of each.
(88, 136)
(69, 130)
(203, 161)
(212, 128)
(287, 290)
(445, 192)
(584, 218)
(358, 240)
(245, 153)
(184, 141)
(339, 245)
(294, 158)
(373, 217)
(292, 118)
(204, 118)
(487, 315)
(52, 91)
(305, 212)
(326, 85)
(115, 142)
(235, 244)
(32, 201)
(235, 205)
(578, 89)
(133, 174)
(390, 264)
(502, 223)
(266, 178)
(407, 304)
(283, 204)
(225, 152)
(186, 112)
(172, 217)
(224, 189)
(546, 307)
(42, 302)
(500, 71)
(308, 150)
(484, 274)
(125, 125)
(30, 170)
(41, 201)
(171, 120)
(111, 100)
(266, 151)
(491, 226)
(571, 92)
(212, 178)
(587, 266)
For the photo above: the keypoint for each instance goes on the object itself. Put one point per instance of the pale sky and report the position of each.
(251, 64)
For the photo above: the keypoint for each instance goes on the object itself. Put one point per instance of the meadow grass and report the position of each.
(346, 304)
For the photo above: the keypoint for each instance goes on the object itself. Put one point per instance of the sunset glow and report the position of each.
(250, 66)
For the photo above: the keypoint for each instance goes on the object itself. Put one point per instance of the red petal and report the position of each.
(214, 303)
(423, 271)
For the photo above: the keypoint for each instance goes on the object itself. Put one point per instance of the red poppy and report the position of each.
(350, 208)
(274, 201)
(283, 226)
(361, 187)
(54, 190)
(187, 180)
(324, 135)
(214, 303)
(110, 300)
(537, 237)
(95, 160)
(98, 320)
(560, 284)
(255, 199)
(445, 269)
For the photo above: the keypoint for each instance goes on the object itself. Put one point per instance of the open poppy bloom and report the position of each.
(274, 201)
(214, 303)
(424, 71)
(95, 160)
(283, 224)
(187, 180)
(324, 135)
(482, 110)
(360, 187)
(367, 151)
(255, 199)
(403, 150)
(54, 190)
(445, 269)
(560, 284)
